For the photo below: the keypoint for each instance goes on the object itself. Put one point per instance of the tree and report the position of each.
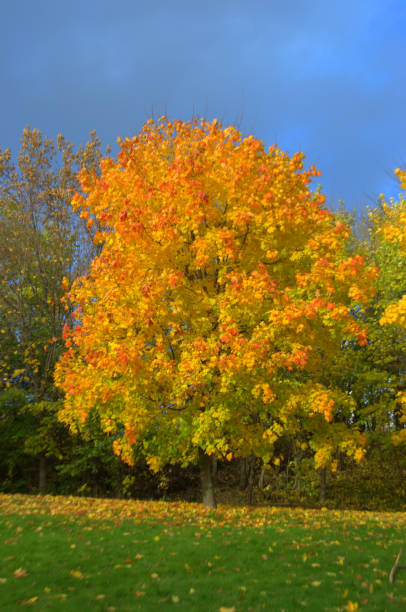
(42, 240)
(368, 377)
(221, 291)
(394, 316)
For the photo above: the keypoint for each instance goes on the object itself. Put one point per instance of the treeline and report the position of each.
(45, 244)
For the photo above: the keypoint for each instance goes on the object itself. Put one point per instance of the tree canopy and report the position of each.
(42, 240)
(222, 292)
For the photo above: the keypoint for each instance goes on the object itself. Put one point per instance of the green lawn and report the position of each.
(71, 554)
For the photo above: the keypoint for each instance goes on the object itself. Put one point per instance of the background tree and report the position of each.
(394, 317)
(370, 376)
(222, 289)
(42, 241)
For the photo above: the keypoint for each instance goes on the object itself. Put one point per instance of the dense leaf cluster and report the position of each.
(211, 308)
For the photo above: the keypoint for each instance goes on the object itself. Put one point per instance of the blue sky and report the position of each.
(324, 77)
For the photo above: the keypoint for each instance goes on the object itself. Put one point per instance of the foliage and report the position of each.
(80, 464)
(370, 377)
(16, 425)
(393, 317)
(106, 554)
(42, 241)
(90, 467)
(225, 310)
(221, 295)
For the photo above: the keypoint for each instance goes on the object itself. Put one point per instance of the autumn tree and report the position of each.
(222, 290)
(368, 377)
(42, 241)
(393, 230)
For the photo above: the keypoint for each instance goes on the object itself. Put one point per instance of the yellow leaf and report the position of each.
(29, 602)
(76, 574)
(20, 572)
(351, 606)
(316, 583)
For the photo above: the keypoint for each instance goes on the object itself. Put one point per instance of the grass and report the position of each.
(109, 555)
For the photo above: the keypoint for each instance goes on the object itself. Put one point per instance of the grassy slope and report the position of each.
(67, 553)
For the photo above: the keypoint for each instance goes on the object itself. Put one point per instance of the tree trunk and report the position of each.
(42, 474)
(214, 467)
(206, 476)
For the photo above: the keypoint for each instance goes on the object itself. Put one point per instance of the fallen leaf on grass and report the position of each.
(28, 602)
(351, 606)
(175, 599)
(76, 574)
(227, 609)
(316, 583)
(20, 572)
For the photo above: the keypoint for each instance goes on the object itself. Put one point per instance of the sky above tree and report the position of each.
(326, 78)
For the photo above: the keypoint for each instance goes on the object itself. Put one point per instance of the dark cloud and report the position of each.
(327, 78)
